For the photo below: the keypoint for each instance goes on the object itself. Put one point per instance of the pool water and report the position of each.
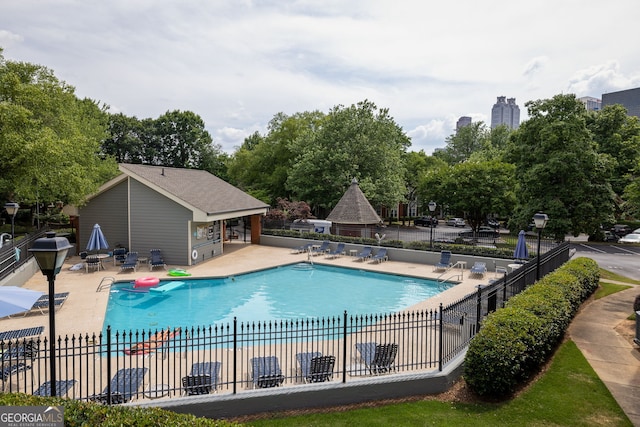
(298, 291)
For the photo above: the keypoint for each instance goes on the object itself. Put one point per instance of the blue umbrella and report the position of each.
(97, 240)
(521, 252)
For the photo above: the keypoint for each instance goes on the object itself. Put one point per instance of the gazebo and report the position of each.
(353, 215)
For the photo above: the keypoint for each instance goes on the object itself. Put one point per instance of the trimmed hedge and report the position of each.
(515, 341)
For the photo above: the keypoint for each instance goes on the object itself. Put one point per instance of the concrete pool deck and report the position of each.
(84, 310)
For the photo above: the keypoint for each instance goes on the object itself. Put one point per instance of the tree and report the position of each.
(49, 139)
(558, 169)
(476, 188)
(360, 141)
(462, 144)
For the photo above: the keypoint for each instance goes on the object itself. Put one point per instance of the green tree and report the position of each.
(462, 144)
(559, 170)
(49, 139)
(473, 189)
(360, 141)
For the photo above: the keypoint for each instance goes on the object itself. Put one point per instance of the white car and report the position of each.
(456, 222)
(630, 238)
(636, 231)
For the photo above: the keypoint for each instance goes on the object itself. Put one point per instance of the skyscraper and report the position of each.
(629, 99)
(505, 112)
(462, 122)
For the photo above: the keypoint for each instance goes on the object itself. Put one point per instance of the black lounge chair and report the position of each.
(378, 358)
(124, 385)
(445, 261)
(203, 378)
(156, 259)
(62, 388)
(131, 262)
(266, 372)
(365, 254)
(315, 367)
(119, 255)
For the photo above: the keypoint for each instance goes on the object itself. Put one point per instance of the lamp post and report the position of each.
(540, 220)
(432, 209)
(12, 210)
(50, 253)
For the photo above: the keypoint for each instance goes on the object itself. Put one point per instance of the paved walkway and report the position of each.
(614, 358)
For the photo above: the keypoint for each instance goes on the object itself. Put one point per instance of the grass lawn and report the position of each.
(568, 394)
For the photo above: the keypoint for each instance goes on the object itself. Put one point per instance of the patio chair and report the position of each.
(301, 249)
(21, 333)
(324, 247)
(337, 252)
(119, 256)
(203, 378)
(378, 358)
(380, 256)
(445, 261)
(92, 261)
(478, 269)
(6, 372)
(131, 262)
(156, 259)
(266, 372)
(62, 388)
(124, 384)
(365, 254)
(20, 351)
(315, 367)
(42, 304)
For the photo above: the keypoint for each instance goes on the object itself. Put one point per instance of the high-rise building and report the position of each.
(590, 103)
(629, 99)
(462, 122)
(505, 112)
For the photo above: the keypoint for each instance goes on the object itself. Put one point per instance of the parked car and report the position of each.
(483, 231)
(426, 221)
(621, 229)
(636, 231)
(630, 238)
(456, 222)
(493, 223)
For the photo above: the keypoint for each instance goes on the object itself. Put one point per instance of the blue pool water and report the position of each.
(290, 292)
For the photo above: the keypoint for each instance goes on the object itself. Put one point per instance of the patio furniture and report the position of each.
(478, 269)
(378, 358)
(324, 247)
(445, 261)
(62, 388)
(315, 367)
(124, 385)
(21, 333)
(380, 256)
(92, 262)
(119, 256)
(130, 262)
(365, 254)
(337, 252)
(156, 259)
(203, 378)
(266, 372)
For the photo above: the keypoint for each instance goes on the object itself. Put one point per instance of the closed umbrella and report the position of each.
(521, 252)
(97, 240)
(14, 299)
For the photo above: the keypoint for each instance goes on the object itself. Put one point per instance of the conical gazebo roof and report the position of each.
(354, 208)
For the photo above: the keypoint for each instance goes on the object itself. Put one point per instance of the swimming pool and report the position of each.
(288, 292)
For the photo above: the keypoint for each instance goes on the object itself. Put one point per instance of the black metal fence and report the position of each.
(14, 255)
(118, 367)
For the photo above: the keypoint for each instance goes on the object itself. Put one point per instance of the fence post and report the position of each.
(344, 349)
(235, 354)
(108, 364)
(440, 343)
(478, 308)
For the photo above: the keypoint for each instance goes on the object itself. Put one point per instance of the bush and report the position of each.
(516, 340)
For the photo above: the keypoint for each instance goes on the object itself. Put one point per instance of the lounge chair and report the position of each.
(119, 256)
(315, 367)
(365, 254)
(156, 260)
(21, 333)
(378, 358)
(323, 248)
(478, 269)
(337, 252)
(301, 249)
(266, 372)
(124, 384)
(62, 388)
(6, 372)
(380, 256)
(20, 351)
(445, 261)
(42, 303)
(131, 262)
(203, 378)
(92, 261)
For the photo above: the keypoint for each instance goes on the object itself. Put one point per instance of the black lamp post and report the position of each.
(12, 210)
(50, 253)
(432, 209)
(540, 220)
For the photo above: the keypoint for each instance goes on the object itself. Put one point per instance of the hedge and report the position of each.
(516, 340)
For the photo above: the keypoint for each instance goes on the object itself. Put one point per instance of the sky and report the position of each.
(239, 63)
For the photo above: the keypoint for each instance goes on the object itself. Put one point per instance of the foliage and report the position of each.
(360, 141)
(462, 144)
(476, 189)
(79, 413)
(289, 211)
(516, 340)
(559, 170)
(49, 139)
(610, 275)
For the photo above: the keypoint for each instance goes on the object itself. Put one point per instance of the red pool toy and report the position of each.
(146, 282)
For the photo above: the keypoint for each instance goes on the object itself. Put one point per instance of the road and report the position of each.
(624, 260)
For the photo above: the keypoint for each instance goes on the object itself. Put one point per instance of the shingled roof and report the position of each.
(196, 188)
(354, 208)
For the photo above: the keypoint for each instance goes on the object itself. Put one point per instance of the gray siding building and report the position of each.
(183, 212)
(629, 99)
